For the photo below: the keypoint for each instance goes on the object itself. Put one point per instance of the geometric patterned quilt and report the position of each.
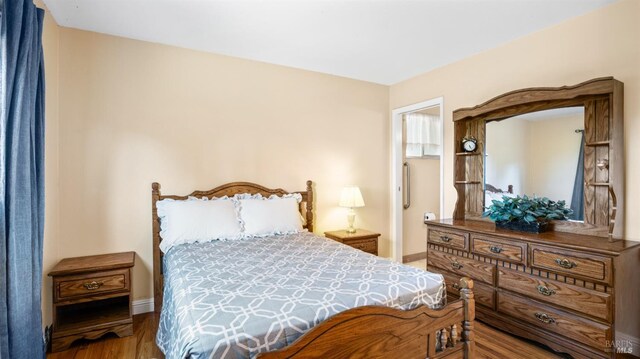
(235, 299)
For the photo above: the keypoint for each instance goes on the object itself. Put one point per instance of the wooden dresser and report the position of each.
(564, 290)
(91, 297)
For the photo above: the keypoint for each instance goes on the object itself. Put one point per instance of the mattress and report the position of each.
(235, 299)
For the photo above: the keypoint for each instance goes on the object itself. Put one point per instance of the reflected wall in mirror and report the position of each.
(537, 154)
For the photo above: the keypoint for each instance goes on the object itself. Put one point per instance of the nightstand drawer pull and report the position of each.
(495, 249)
(545, 318)
(544, 290)
(445, 239)
(565, 263)
(455, 264)
(92, 285)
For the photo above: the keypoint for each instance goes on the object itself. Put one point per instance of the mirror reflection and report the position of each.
(537, 154)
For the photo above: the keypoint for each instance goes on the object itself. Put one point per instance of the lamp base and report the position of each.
(351, 217)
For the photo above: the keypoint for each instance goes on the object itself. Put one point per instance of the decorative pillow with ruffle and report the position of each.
(262, 217)
(198, 220)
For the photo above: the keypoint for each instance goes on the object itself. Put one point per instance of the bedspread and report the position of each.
(235, 299)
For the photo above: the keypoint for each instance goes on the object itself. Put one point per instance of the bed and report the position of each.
(299, 295)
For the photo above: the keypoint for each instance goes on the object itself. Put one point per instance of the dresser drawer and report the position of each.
(548, 318)
(483, 294)
(365, 245)
(573, 263)
(511, 250)
(478, 271)
(587, 301)
(448, 238)
(68, 287)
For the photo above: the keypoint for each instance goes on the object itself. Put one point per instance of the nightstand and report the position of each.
(363, 240)
(91, 297)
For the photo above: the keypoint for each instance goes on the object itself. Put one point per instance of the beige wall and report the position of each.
(135, 112)
(51, 249)
(556, 148)
(507, 148)
(601, 43)
(425, 195)
(538, 157)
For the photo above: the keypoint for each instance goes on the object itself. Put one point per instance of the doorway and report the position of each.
(417, 183)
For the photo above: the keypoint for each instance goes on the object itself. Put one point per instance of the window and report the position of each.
(424, 133)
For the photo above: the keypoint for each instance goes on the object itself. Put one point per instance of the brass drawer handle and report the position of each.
(565, 263)
(495, 249)
(456, 265)
(544, 290)
(445, 239)
(455, 286)
(545, 318)
(92, 285)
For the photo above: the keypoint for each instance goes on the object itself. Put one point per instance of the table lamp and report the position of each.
(351, 198)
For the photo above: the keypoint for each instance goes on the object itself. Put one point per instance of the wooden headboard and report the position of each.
(229, 189)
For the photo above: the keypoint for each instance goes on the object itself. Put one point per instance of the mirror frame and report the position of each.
(602, 99)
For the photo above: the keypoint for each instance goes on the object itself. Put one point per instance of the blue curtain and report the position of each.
(577, 199)
(21, 179)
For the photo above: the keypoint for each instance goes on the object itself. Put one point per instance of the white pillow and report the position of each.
(263, 217)
(197, 220)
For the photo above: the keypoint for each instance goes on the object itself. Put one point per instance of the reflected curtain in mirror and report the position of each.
(22, 178)
(577, 198)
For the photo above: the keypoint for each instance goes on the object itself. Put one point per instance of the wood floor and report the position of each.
(491, 344)
(141, 345)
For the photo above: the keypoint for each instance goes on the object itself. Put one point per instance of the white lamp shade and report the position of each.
(351, 197)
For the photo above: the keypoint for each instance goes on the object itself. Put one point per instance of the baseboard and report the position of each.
(624, 342)
(414, 257)
(142, 306)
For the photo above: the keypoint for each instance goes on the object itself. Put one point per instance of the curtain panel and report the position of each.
(577, 197)
(21, 179)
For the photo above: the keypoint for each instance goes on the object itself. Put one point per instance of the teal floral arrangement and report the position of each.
(531, 214)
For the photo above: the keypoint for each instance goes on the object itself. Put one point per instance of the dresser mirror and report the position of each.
(549, 171)
(536, 154)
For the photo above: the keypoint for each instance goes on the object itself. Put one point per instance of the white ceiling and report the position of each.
(384, 41)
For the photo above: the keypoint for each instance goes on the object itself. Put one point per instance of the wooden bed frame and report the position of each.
(366, 332)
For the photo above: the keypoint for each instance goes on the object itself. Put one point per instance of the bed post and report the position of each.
(309, 206)
(466, 294)
(157, 256)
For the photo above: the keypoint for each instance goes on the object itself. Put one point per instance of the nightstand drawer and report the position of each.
(476, 270)
(365, 245)
(577, 264)
(448, 238)
(362, 239)
(511, 251)
(89, 284)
